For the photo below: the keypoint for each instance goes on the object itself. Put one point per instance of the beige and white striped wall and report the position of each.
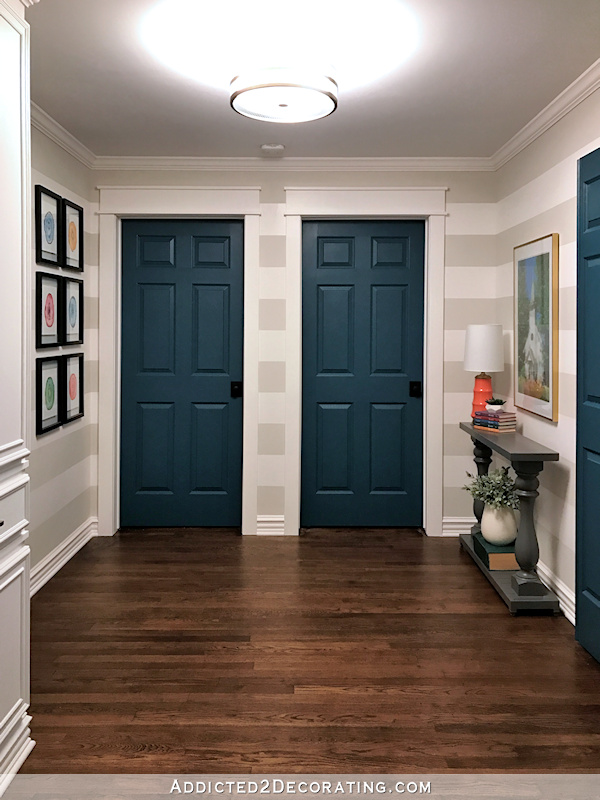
(63, 462)
(489, 211)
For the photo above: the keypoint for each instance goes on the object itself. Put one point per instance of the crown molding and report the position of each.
(581, 88)
(28, 3)
(53, 130)
(157, 163)
(585, 85)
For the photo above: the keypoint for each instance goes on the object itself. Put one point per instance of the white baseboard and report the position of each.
(270, 525)
(15, 744)
(57, 558)
(20, 756)
(454, 526)
(566, 596)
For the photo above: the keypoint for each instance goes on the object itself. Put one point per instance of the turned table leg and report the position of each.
(482, 456)
(526, 581)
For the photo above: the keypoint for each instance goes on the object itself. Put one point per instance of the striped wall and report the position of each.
(488, 214)
(542, 203)
(471, 298)
(63, 462)
(271, 370)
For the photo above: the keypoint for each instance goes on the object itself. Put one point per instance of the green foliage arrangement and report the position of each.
(496, 490)
(495, 401)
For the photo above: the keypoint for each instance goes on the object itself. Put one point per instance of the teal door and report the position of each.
(362, 419)
(588, 404)
(181, 429)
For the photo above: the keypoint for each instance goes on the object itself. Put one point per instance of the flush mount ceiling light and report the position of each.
(275, 63)
(283, 95)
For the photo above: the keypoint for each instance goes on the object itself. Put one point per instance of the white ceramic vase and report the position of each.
(498, 525)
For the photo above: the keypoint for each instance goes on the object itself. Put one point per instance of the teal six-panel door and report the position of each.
(588, 405)
(181, 431)
(362, 309)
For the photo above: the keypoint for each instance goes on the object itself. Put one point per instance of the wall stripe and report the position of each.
(63, 463)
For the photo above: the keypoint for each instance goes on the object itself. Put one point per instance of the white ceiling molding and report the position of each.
(291, 164)
(582, 87)
(579, 90)
(49, 127)
(28, 3)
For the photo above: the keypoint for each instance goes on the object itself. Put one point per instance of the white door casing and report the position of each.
(119, 202)
(397, 203)
(375, 203)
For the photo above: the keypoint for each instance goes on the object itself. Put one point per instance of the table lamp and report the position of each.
(483, 353)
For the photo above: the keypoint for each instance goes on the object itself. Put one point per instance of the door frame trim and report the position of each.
(424, 203)
(176, 202)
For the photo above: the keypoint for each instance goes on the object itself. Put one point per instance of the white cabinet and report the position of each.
(15, 193)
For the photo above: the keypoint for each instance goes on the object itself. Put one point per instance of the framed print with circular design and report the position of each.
(47, 401)
(48, 304)
(72, 307)
(48, 218)
(72, 387)
(72, 221)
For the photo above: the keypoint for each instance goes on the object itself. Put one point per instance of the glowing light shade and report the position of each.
(283, 95)
(213, 41)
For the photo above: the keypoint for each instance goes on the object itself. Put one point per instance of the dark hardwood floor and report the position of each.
(335, 652)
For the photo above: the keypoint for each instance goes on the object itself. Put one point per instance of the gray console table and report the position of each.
(520, 589)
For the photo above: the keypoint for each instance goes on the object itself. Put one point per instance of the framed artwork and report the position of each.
(47, 306)
(536, 326)
(72, 223)
(47, 394)
(71, 321)
(48, 213)
(72, 387)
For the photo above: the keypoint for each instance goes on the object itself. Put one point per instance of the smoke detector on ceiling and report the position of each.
(272, 150)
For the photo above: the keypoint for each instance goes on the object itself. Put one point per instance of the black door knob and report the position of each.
(415, 389)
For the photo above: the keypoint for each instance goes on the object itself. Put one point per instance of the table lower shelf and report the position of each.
(501, 581)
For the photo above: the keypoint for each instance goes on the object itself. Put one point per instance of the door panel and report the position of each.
(387, 464)
(588, 405)
(335, 448)
(362, 344)
(155, 447)
(156, 343)
(335, 331)
(181, 432)
(211, 329)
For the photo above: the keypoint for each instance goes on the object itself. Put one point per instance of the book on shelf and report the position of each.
(494, 430)
(493, 556)
(495, 421)
(496, 415)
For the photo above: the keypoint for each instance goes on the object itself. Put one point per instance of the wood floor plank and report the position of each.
(338, 651)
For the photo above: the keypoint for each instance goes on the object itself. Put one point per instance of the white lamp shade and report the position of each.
(483, 348)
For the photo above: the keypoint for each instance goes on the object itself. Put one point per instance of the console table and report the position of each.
(520, 589)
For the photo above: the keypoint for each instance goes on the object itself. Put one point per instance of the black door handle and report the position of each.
(237, 389)
(415, 389)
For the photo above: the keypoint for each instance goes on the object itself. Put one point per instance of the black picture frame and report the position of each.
(48, 309)
(71, 311)
(72, 236)
(72, 387)
(48, 373)
(48, 227)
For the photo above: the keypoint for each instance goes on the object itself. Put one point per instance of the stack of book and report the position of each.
(495, 556)
(496, 421)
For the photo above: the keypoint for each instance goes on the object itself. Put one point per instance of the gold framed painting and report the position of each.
(536, 326)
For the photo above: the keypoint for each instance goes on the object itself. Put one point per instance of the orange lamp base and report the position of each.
(482, 392)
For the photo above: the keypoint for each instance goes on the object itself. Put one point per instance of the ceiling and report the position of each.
(483, 70)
